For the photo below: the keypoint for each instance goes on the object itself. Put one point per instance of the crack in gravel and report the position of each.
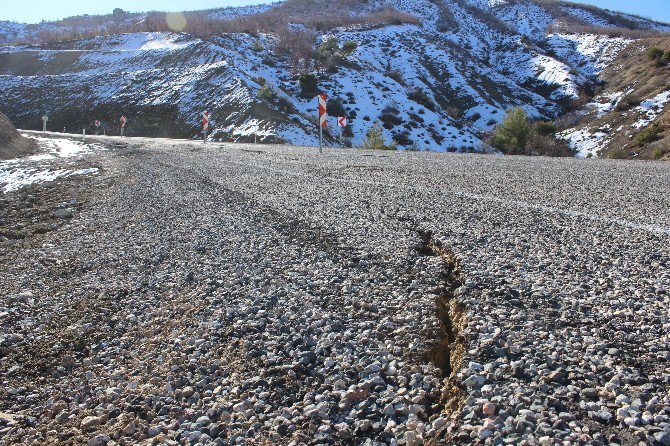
(449, 351)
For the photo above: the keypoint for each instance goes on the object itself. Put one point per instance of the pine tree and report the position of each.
(512, 135)
(374, 140)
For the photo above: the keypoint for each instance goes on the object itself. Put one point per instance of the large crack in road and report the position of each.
(451, 345)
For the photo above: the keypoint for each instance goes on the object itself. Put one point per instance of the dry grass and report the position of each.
(634, 34)
(314, 14)
(556, 8)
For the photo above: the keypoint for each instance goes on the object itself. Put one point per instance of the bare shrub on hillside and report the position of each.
(446, 22)
(298, 46)
(485, 16)
(571, 119)
(200, 23)
(389, 16)
(634, 34)
(628, 102)
(548, 145)
(616, 20)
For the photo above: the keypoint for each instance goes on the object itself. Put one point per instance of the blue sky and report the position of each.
(36, 10)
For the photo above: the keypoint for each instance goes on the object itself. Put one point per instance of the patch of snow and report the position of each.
(586, 17)
(16, 178)
(651, 109)
(65, 148)
(150, 42)
(610, 102)
(552, 71)
(586, 141)
(20, 172)
(51, 148)
(589, 54)
(528, 19)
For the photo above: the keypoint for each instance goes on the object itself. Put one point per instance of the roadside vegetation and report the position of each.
(374, 140)
(650, 134)
(659, 56)
(519, 135)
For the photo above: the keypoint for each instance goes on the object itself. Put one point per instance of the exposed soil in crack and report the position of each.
(450, 346)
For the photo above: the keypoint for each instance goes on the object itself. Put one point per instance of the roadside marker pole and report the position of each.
(45, 118)
(205, 125)
(323, 118)
(342, 122)
(84, 136)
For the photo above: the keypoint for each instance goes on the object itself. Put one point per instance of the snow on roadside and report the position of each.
(20, 172)
(51, 148)
(66, 148)
(15, 179)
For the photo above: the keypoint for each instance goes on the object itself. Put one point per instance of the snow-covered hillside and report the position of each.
(629, 117)
(470, 60)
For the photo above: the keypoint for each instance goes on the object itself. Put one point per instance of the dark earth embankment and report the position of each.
(12, 144)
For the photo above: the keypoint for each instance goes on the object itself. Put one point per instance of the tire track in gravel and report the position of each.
(570, 213)
(298, 232)
(449, 344)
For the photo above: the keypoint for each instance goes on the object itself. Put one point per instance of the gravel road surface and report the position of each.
(223, 294)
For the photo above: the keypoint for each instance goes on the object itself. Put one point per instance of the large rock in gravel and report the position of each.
(12, 144)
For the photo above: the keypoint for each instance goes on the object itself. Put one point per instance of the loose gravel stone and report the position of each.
(233, 294)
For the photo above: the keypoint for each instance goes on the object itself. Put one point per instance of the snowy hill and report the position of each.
(438, 83)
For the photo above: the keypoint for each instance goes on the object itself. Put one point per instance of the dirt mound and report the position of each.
(12, 144)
